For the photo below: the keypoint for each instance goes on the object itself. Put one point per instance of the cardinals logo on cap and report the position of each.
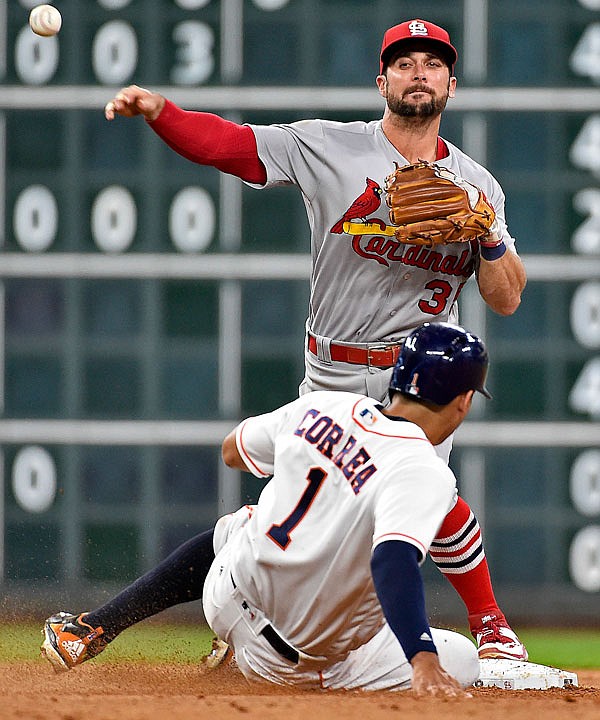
(413, 30)
(416, 27)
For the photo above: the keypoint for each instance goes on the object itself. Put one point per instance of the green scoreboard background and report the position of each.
(149, 303)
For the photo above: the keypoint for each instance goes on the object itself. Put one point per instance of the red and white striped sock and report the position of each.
(459, 554)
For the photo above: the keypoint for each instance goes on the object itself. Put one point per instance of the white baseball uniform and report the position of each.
(366, 287)
(345, 478)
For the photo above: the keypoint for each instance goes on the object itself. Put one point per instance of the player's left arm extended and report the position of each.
(501, 282)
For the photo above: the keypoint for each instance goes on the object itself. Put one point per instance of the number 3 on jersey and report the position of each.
(440, 292)
(280, 534)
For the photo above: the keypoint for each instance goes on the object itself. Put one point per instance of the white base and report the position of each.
(519, 675)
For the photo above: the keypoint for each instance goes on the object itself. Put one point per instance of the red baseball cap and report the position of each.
(417, 30)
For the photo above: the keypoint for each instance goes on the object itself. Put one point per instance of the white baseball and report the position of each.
(45, 20)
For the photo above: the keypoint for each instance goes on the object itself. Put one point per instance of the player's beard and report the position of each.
(425, 109)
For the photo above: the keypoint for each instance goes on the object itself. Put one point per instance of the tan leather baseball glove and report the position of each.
(430, 205)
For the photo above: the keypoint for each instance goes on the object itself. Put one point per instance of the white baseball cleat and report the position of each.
(496, 639)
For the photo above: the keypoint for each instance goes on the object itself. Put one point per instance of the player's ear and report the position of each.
(381, 81)
(462, 404)
(466, 399)
(452, 87)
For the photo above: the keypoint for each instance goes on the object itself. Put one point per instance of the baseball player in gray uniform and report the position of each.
(318, 585)
(369, 291)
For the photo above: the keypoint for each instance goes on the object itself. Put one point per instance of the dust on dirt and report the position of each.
(31, 690)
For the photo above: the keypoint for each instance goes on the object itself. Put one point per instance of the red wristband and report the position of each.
(489, 241)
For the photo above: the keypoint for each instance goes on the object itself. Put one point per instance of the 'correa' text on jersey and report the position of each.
(325, 434)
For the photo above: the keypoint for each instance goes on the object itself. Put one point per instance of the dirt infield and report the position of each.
(135, 691)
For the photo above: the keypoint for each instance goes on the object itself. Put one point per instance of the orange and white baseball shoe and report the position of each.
(69, 640)
(496, 639)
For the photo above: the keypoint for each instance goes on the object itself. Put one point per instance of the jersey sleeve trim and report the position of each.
(401, 536)
(250, 464)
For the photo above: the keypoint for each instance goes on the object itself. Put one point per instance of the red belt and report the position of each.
(373, 357)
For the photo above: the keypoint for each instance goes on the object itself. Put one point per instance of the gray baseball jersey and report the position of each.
(366, 286)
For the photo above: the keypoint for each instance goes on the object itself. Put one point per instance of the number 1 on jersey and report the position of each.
(280, 534)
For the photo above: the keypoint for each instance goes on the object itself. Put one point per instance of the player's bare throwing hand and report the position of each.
(135, 100)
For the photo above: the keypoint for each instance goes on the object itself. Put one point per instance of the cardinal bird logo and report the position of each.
(365, 204)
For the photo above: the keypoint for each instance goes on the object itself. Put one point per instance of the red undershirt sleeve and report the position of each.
(208, 139)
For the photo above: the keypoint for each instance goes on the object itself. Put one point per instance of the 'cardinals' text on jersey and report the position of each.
(366, 286)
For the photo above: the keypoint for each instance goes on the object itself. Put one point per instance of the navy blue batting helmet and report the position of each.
(439, 361)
